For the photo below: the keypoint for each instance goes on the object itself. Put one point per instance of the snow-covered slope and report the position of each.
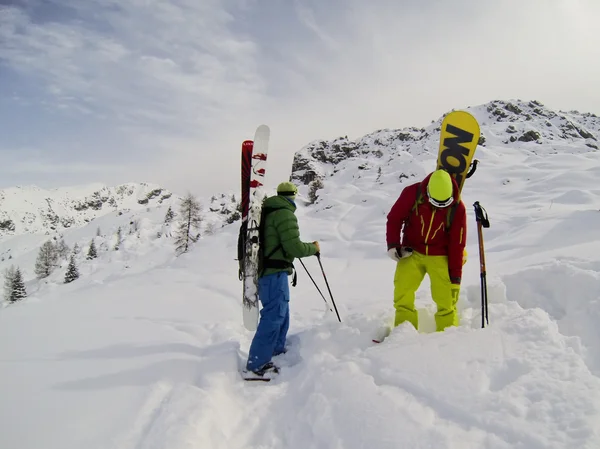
(143, 350)
(33, 210)
(30, 216)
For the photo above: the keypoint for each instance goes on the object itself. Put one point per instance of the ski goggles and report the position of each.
(441, 204)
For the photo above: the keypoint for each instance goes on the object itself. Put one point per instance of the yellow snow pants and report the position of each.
(410, 272)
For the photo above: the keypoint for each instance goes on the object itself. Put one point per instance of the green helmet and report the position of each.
(287, 189)
(440, 189)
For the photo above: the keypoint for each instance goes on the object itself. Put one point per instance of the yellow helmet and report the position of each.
(288, 190)
(440, 189)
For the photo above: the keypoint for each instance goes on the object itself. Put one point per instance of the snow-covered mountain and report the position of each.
(32, 210)
(528, 126)
(143, 350)
(30, 216)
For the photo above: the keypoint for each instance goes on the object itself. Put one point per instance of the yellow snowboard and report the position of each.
(458, 142)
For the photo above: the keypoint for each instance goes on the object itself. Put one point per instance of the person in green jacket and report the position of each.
(281, 245)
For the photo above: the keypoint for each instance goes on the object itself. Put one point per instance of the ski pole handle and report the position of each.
(473, 168)
(481, 215)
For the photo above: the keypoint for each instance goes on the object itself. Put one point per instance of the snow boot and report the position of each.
(265, 373)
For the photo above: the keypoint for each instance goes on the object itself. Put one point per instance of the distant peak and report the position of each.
(512, 122)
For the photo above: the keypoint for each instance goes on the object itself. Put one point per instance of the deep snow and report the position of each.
(143, 351)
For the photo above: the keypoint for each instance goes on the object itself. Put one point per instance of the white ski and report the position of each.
(257, 194)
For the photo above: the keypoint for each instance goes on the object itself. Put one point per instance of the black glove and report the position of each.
(398, 252)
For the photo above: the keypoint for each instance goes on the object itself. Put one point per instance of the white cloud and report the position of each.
(40, 167)
(129, 58)
(187, 81)
(307, 17)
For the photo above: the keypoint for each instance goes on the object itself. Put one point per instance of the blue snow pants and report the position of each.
(269, 340)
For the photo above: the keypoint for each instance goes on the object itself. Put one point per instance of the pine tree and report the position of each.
(209, 229)
(46, 261)
(9, 276)
(98, 232)
(119, 239)
(169, 216)
(72, 271)
(235, 216)
(312, 191)
(188, 230)
(18, 288)
(92, 253)
(76, 249)
(63, 249)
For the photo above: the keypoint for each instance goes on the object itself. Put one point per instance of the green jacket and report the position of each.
(281, 228)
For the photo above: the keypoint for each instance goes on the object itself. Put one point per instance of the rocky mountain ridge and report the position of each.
(525, 125)
(30, 209)
(517, 123)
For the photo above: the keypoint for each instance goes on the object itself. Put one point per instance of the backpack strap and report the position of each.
(449, 213)
(275, 263)
(242, 248)
(418, 198)
(279, 264)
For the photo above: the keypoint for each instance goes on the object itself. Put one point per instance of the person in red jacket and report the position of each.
(426, 234)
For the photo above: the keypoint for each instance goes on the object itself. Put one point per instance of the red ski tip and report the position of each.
(254, 184)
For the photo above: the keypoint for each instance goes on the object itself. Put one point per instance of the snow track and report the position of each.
(148, 357)
(161, 371)
(510, 386)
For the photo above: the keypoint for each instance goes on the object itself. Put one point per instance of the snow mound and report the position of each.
(569, 291)
(144, 349)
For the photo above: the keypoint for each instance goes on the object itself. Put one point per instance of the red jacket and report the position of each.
(425, 228)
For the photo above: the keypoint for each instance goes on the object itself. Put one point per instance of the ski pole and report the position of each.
(482, 222)
(315, 284)
(327, 283)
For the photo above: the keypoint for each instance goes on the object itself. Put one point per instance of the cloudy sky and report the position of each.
(165, 91)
